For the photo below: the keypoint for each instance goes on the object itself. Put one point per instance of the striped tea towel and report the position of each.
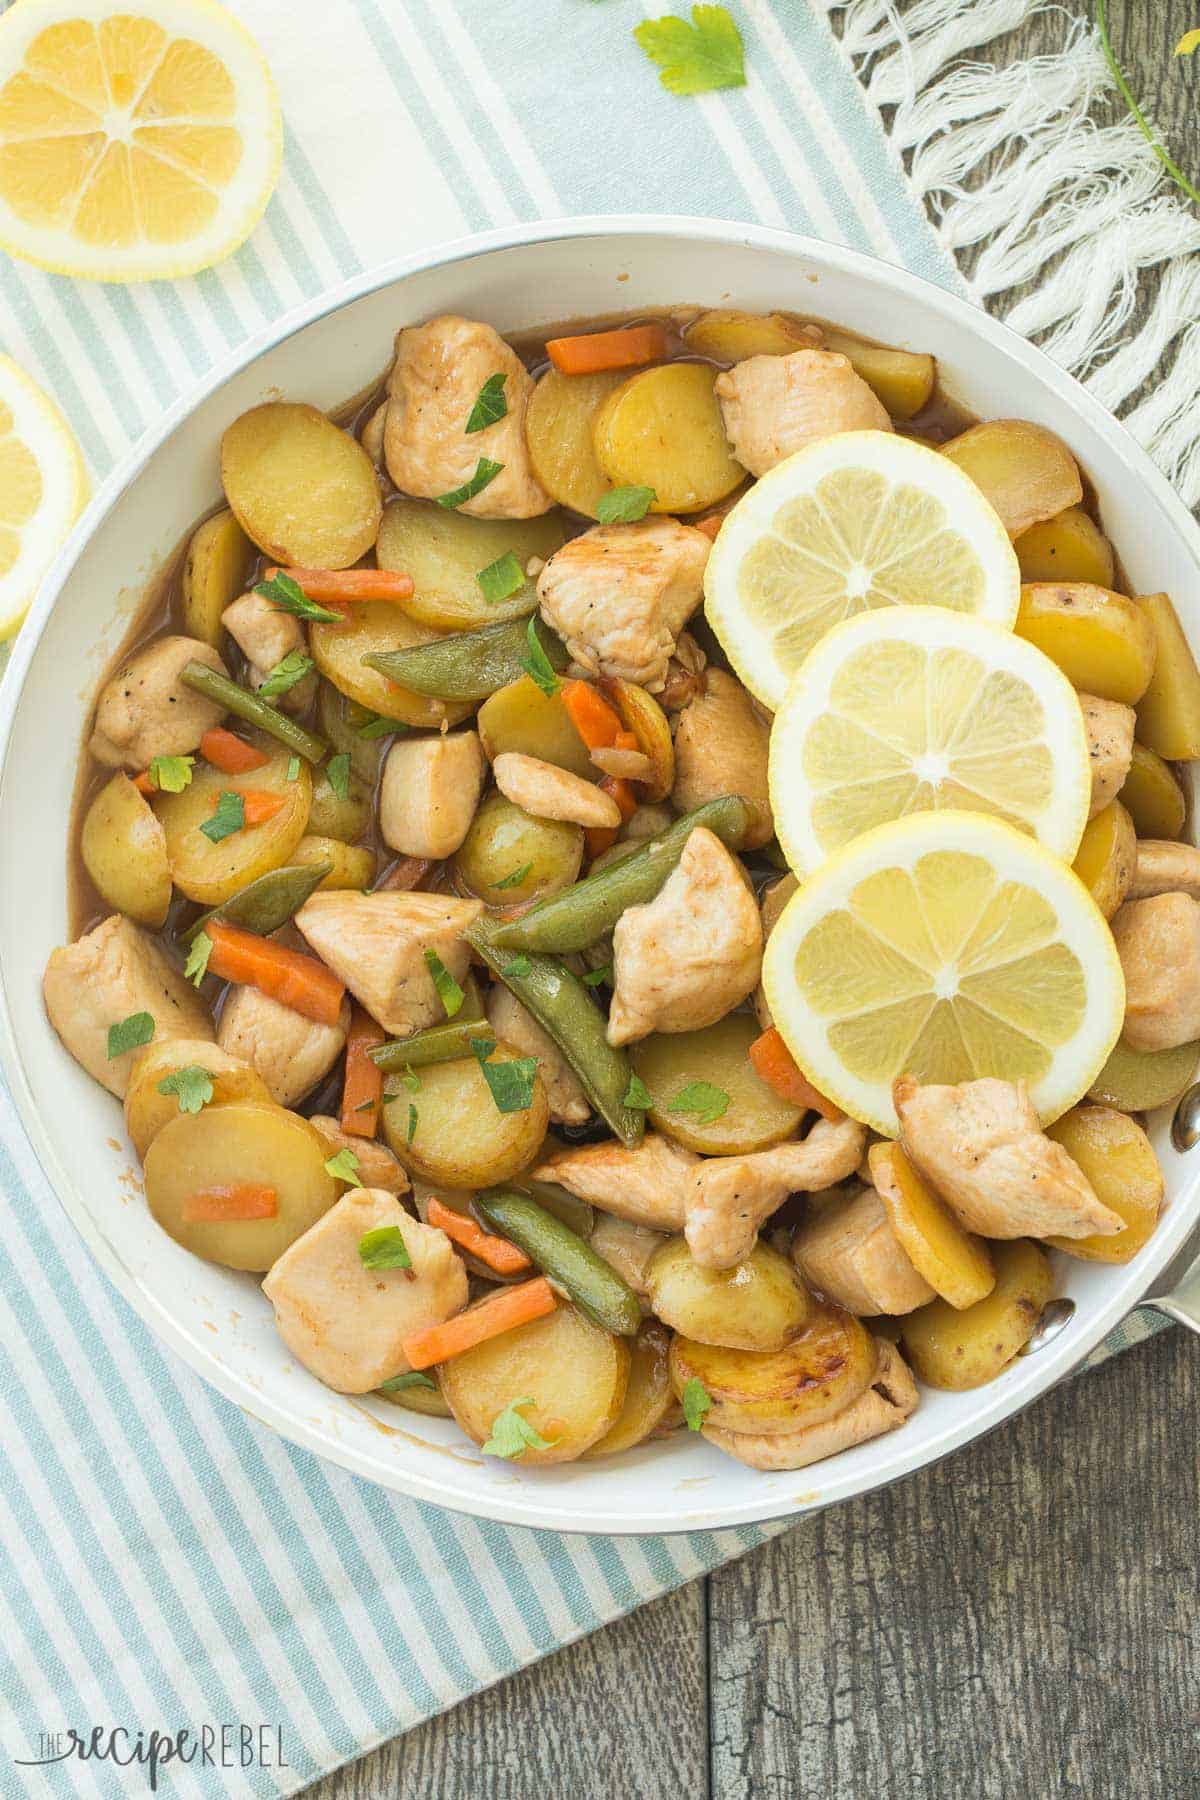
(168, 1564)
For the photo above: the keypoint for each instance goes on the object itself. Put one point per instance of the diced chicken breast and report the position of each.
(116, 970)
(690, 955)
(377, 1167)
(982, 1147)
(429, 792)
(627, 1249)
(147, 711)
(436, 379)
(850, 1253)
(886, 1404)
(775, 897)
(619, 595)
(774, 405)
(371, 436)
(347, 1323)
(648, 1185)
(1109, 727)
(547, 792)
(265, 634)
(290, 1052)
(1163, 867)
(376, 944)
(731, 1196)
(513, 1025)
(1158, 941)
(721, 748)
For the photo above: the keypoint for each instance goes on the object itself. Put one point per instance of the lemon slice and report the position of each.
(947, 946)
(860, 520)
(137, 141)
(43, 486)
(915, 708)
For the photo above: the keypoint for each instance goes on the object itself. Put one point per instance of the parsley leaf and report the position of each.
(695, 58)
(411, 1079)
(448, 990)
(512, 1435)
(193, 1085)
(411, 1378)
(696, 1402)
(412, 1124)
(377, 727)
(288, 596)
(199, 951)
(365, 1106)
(502, 578)
(511, 1082)
(171, 774)
(489, 406)
(286, 674)
(594, 977)
(343, 1166)
(230, 816)
(518, 967)
(337, 774)
(709, 1103)
(293, 768)
(515, 877)
(130, 1034)
(485, 471)
(638, 1095)
(625, 505)
(537, 664)
(384, 1248)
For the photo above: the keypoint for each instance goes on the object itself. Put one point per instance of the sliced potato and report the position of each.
(223, 1147)
(428, 1401)
(1026, 472)
(558, 429)
(1140, 1080)
(823, 1370)
(353, 864)
(902, 379)
(641, 714)
(379, 625)
(521, 717)
(1118, 1159)
(505, 842)
(302, 488)
(147, 1110)
(954, 1262)
(762, 1304)
(649, 1396)
(1169, 710)
(756, 1116)
(1103, 643)
(662, 429)
(1107, 856)
(444, 552)
(460, 1137)
(335, 815)
(952, 1349)
(1068, 547)
(124, 851)
(342, 721)
(209, 873)
(574, 1373)
(1152, 796)
(215, 571)
(729, 336)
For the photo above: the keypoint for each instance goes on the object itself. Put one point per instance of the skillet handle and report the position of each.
(1183, 1302)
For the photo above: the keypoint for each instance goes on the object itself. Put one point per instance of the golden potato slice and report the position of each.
(649, 1396)
(1169, 711)
(1026, 472)
(641, 714)
(1107, 857)
(671, 1062)
(353, 864)
(829, 1365)
(215, 571)
(521, 717)
(333, 814)
(147, 1110)
(459, 1136)
(124, 850)
(427, 1401)
(1140, 1080)
(574, 1374)
(729, 336)
(952, 1349)
(1068, 547)
(662, 429)
(1118, 1159)
(224, 1147)
(762, 1304)
(954, 1262)
(1152, 796)
(1102, 642)
(209, 873)
(902, 379)
(302, 488)
(558, 429)
(444, 552)
(379, 625)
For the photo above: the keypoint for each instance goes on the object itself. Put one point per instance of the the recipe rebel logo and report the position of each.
(215, 1746)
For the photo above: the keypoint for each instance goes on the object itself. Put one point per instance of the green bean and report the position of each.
(562, 1006)
(244, 705)
(579, 1214)
(576, 919)
(438, 1043)
(564, 1257)
(468, 665)
(267, 903)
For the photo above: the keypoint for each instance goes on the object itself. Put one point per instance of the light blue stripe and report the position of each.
(294, 251)
(212, 291)
(95, 446)
(320, 206)
(250, 264)
(96, 352)
(188, 338)
(121, 302)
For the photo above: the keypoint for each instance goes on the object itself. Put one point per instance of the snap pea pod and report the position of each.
(245, 705)
(562, 1254)
(446, 1042)
(468, 665)
(579, 1214)
(574, 920)
(562, 1006)
(267, 903)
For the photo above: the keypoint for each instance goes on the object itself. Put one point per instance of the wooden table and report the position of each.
(1020, 1622)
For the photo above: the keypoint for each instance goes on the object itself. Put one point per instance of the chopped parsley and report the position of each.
(516, 969)
(171, 774)
(625, 505)
(512, 1435)
(377, 727)
(411, 1133)
(501, 579)
(485, 471)
(537, 664)
(515, 877)
(695, 58)
(229, 816)
(594, 977)
(411, 1079)
(696, 1402)
(638, 1095)
(288, 596)
(199, 951)
(490, 405)
(709, 1103)
(411, 1378)
(337, 774)
(293, 768)
(130, 1034)
(343, 1166)
(286, 674)
(193, 1085)
(511, 1082)
(448, 990)
(384, 1248)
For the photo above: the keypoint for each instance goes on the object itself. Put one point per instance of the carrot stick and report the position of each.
(231, 1203)
(288, 976)
(593, 718)
(498, 1313)
(774, 1063)
(143, 783)
(624, 740)
(710, 524)
(595, 351)
(362, 1089)
(230, 753)
(496, 1252)
(257, 806)
(349, 584)
(601, 837)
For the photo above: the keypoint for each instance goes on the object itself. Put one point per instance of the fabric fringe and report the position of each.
(1030, 192)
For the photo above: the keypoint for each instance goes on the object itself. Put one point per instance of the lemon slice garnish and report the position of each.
(43, 486)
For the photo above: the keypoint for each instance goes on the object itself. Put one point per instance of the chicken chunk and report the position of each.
(1158, 941)
(619, 595)
(146, 711)
(627, 1249)
(982, 1147)
(290, 1052)
(436, 379)
(886, 1404)
(731, 1196)
(377, 944)
(721, 748)
(513, 1025)
(347, 1323)
(265, 634)
(116, 970)
(775, 897)
(648, 1185)
(376, 1164)
(547, 792)
(1109, 727)
(774, 405)
(371, 435)
(850, 1253)
(430, 789)
(1165, 868)
(690, 955)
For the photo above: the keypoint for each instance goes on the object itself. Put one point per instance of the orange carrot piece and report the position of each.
(599, 838)
(498, 1313)
(143, 783)
(624, 740)
(230, 753)
(774, 1063)
(462, 1230)
(230, 1204)
(710, 524)
(593, 718)
(349, 584)
(288, 976)
(594, 351)
(257, 806)
(362, 1089)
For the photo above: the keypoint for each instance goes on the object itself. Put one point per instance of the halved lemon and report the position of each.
(43, 486)
(912, 709)
(947, 946)
(137, 141)
(860, 520)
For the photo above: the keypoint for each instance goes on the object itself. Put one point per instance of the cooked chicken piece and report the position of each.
(371, 436)
(376, 1164)
(721, 748)
(731, 1195)
(887, 1403)
(851, 1254)
(1158, 941)
(290, 1052)
(430, 789)
(1165, 868)
(546, 792)
(648, 1185)
(377, 944)
(627, 1248)
(435, 382)
(146, 711)
(513, 1025)
(982, 1146)
(690, 955)
(345, 1322)
(103, 978)
(775, 897)
(773, 405)
(265, 634)
(618, 596)
(1109, 727)
(622, 765)
(684, 674)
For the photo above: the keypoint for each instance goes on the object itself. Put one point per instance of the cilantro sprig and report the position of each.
(625, 505)
(448, 990)
(229, 816)
(287, 674)
(537, 664)
(343, 1166)
(708, 1102)
(511, 1082)
(384, 1248)
(696, 1402)
(501, 579)
(698, 57)
(288, 596)
(171, 774)
(486, 471)
(199, 951)
(512, 1435)
(130, 1034)
(192, 1085)
(490, 404)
